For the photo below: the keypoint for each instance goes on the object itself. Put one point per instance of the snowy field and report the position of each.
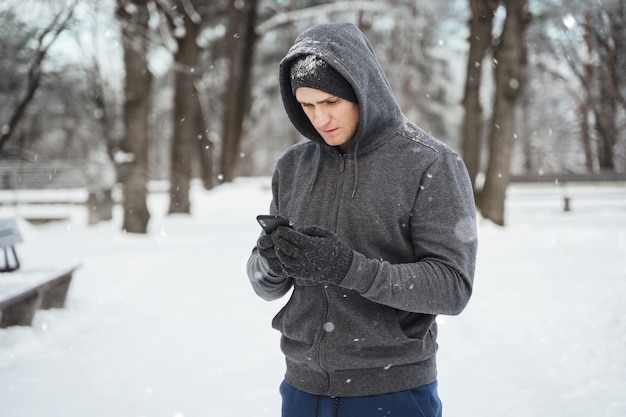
(166, 324)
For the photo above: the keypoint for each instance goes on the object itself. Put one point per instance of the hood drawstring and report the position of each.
(317, 404)
(335, 406)
(356, 169)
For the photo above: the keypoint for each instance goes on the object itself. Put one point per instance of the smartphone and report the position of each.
(270, 222)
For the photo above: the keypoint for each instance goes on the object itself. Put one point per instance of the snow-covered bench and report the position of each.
(24, 291)
(562, 179)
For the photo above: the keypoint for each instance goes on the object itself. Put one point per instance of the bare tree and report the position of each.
(241, 45)
(510, 57)
(481, 26)
(44, 41)
(581, 50)
(184, 22)
(133, 16)
(204, 145)
(608, 28)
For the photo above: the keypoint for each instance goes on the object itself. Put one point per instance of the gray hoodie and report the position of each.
(403, 202)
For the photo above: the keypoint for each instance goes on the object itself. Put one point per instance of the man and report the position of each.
(383, 238)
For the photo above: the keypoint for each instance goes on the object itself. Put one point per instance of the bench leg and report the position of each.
(566, 204)
(8, 266)
(22, 313)
(55, 295)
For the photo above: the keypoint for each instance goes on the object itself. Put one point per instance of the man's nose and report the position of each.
(322, 117)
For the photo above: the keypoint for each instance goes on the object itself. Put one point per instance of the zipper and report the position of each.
(338, 192)
(333, 226)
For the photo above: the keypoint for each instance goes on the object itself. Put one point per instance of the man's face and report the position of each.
(334, 118)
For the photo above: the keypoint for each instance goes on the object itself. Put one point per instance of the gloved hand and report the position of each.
(312, 254)
(268, 252)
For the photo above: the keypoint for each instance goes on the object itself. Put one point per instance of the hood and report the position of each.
(344, 47)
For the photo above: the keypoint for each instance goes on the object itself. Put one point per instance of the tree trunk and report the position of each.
(134, 22)
(205, 147)
(185, 110)
(527, 134)
(480, 40)
(242, 39)
(606, 124)
(585, 138)
(510, 57)
(586, 105)
(606, 117)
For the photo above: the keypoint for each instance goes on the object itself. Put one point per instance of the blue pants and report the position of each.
(419, 402)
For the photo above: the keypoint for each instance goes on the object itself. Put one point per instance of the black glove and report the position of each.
(312, 254)
(268, 252)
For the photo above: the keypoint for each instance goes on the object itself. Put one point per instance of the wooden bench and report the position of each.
(24, 291)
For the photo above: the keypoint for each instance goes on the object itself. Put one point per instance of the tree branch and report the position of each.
(285, 18)
(34, 73)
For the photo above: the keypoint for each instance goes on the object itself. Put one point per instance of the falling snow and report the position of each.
(167, 324)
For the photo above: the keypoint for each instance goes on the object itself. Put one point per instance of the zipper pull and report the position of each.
(342, 163)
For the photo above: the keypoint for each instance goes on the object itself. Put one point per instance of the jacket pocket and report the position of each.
(416, 331)
(366, 335)
(301, 322)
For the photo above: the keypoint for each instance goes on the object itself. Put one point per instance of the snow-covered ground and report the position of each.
(166, 324)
